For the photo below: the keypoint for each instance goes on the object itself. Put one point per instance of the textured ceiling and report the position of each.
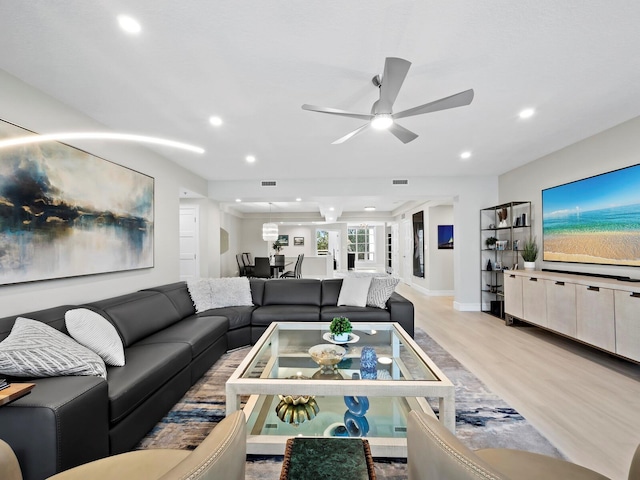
(255, 62)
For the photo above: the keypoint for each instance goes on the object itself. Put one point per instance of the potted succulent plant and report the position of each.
(491, 242)
(529, 254)
(340, 328)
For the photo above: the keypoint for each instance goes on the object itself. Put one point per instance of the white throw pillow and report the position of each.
(95, 332)
(353, 292)
(200, 292)
(380, 290)
(34, 349)
(230, 292)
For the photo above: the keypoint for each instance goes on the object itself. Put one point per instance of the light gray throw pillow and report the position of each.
(354, 291)
(380, 290)
(34, 349)
(95, 332)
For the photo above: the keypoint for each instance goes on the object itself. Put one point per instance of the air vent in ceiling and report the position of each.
(269, 183)
(401, 182)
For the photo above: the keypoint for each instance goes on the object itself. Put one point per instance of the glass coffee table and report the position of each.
(368, 395)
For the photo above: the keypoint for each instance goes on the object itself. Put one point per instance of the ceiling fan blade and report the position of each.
(335, 111)
(402, 134)
(458, 100)
(352, 134)
(395, 71)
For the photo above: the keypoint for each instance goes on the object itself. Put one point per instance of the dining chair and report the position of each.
(262, 268)
(248, 263)
(295, 273)
(241, 268)
(278, 263)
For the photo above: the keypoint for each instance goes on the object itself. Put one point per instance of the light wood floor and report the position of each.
(586, 402)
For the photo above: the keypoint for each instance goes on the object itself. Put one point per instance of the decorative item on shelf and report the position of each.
(297, 414)
(328, 356)
(368, 364)
(340, 328)
(355, 421)
(502, 244)
(491, 242)
(489, 267)
(529, 254)
(502, 217)
(516, 245)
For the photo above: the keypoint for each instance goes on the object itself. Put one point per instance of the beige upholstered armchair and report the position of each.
(435, 453)
(221, 455)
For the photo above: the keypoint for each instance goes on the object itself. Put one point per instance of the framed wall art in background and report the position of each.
(298, 241)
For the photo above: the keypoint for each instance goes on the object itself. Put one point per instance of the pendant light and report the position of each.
(269, 230)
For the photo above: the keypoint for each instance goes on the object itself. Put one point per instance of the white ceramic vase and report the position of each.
(343, 337)
(529, 265)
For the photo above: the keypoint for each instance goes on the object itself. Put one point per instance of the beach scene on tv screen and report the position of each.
(595, 220)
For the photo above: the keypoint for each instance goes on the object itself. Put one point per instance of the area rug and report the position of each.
(483, 420)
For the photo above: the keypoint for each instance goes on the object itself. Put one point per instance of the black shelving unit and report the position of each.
(510, 225)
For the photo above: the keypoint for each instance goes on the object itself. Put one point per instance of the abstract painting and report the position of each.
(445, 237)
(65, 213)
(418, 244)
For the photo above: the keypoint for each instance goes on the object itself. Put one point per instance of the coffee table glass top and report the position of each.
(284, 354)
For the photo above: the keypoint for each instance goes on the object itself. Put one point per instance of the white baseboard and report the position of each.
(466, 307)
(433, 293)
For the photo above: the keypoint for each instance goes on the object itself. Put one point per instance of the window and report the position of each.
(322, 242)
(362, 241)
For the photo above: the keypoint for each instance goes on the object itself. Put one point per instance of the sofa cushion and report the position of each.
(199, 332)
(331, 291)
(54, 317)
(179, 296)
(355, 314)
(354, 291)
(257, 290)
(299, 292)
(138, 315)
(238, 316)
(285, 313)
(148, 368)
(380, 290)
(95, 332)
(34, 349)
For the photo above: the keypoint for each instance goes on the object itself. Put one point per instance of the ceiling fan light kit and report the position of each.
(382, 116)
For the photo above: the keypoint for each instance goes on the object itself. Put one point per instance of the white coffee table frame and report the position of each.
(413, 390)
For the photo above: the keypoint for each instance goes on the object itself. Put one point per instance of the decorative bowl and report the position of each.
(327, 354)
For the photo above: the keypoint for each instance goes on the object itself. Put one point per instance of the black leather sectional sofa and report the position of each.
(67, 421)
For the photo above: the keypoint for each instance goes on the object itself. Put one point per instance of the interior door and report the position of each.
(407, 251)
(189, 265)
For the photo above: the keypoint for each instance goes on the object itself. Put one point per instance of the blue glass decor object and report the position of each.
(368, 364)
(355, 421)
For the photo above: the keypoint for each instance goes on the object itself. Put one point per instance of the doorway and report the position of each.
(189, 242)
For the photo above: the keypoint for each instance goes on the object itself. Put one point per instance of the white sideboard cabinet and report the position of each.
(597, 311)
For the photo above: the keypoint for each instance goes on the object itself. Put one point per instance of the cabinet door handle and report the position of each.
(533, 279)
(594, 289)
(635, 295)
(512, 276)
(560, 283)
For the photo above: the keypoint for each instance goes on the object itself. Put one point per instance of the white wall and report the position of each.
(27, 107)
(440, 280)
(228, 263)
(612, 149)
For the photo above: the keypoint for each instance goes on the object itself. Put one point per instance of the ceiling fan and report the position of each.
(382, 116)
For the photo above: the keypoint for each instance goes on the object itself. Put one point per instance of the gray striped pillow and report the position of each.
(95, 332)
(380, 290)
(34, 349)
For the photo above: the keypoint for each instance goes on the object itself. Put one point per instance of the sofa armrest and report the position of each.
(61, 423)
(401, 311)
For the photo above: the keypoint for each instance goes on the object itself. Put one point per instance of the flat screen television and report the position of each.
(595, 220)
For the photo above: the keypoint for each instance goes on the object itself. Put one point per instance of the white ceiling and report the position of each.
(255, 62)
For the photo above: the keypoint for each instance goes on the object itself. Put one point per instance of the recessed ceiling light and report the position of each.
(465, 155)
(215, 121)
(369, 209)
(331, 209)
(527, 113)
(238, 199)
(251, 158)
(298, 199)
(129, 24)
